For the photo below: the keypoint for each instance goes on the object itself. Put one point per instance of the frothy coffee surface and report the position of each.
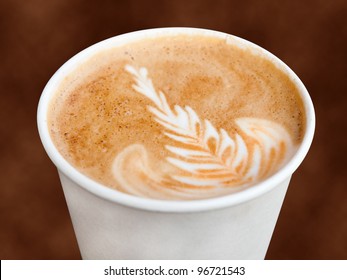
(177, 117)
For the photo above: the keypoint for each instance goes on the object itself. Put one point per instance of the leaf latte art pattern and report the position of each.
(208, 162)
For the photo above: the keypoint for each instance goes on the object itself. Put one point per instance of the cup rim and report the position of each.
(176, 206)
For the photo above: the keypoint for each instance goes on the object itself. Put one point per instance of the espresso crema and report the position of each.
(177, 117)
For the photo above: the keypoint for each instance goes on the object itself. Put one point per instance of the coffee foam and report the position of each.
(139, 134)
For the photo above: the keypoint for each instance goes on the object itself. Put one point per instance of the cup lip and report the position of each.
(170, 205)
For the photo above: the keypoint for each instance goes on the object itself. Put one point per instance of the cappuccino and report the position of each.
(177, 117)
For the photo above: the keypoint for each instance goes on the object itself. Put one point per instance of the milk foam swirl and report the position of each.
(209, 162)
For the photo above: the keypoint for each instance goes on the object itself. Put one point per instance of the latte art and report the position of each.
(177, 117)
(209, 162)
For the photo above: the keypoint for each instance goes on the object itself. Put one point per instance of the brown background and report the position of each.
(39, 36)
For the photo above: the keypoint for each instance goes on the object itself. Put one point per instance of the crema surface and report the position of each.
(177, 117)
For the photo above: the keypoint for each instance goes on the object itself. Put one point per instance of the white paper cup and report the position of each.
(114, 225)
